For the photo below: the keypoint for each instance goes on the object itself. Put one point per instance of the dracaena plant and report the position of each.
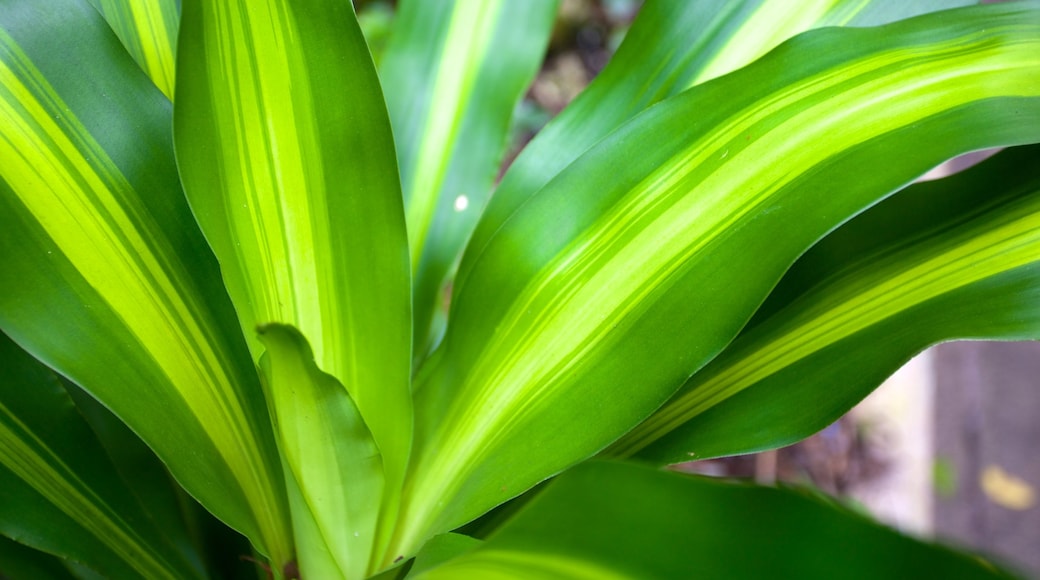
(229, 237)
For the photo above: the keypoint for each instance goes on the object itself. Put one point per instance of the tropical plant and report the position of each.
(244, 248)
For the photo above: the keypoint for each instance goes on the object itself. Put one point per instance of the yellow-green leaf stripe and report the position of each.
(148, 30)
(30, 459)
(848, 307)
(66, 181)
(541, 332)
(468, 39)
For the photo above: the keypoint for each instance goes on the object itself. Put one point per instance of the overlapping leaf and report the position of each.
(60, 493)
(148, 30)
(441, 549)
(673, 45)
(640, 261)
(956, 258)
(453, 73)
(333, 469)
(147, 479)
(106, 276)
(287, 158)
(616, 521)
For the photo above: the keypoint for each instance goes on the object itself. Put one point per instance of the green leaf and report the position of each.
(376, 20)
(333, 468)
(106, 277)
(148, 30)
(440, 549)
(184, 523)
(672, 46)
(607, 520)
(148, 480)
(955, 258)
(453, 73)
(18, 561)
(287, 158)
(61, 494)
(642, 260)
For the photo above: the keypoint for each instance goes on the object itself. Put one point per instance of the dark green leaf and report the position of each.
(18, 561)
(60, 493)
(615, 521)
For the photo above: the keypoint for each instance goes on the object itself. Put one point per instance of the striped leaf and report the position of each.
(453, 73)
(673, 45)
(957, 258)
(617, 521)
(149, 482)
(148, 30)
(642, 260)
(287, 159)
(60, 492)
(106, 276)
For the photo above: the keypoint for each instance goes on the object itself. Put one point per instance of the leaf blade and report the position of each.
(114, 288)
(67, 498)
(333, 468)
(287, 158)
(957, 244)
(451, 94)
(539, 365)
(148, 30)
(604, 520)
(18, 561)
(671, 47)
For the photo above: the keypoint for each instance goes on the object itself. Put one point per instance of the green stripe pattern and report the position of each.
(672, 46)
(31, 460)
(304, 241)
(99, 208)
(655, 247)
(61, 493)
(148, 30)
(453, 72)
(985, 252)
(467, 43)
(93, 226)
(287, 158)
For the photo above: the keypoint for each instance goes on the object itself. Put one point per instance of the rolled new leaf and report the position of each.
(334, 472)
(619, 521)
(642, 260)
(106, 277)
(954, 258)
